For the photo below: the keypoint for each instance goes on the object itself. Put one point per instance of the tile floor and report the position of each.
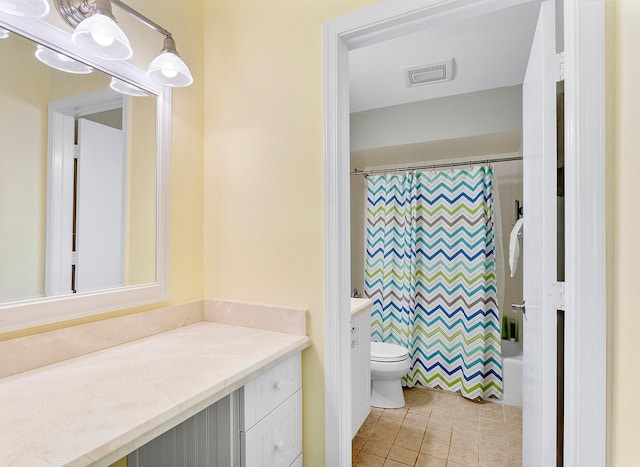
(441, 429)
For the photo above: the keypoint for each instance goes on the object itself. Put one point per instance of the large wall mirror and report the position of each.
(83, 182)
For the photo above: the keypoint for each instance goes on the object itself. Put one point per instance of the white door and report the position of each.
(101, 208)
(539, 246)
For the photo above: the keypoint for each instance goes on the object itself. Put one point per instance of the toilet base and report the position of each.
(387, 394)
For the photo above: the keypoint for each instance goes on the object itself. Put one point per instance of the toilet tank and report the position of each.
(360, 362)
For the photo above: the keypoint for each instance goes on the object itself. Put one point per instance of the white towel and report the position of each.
(514, 246)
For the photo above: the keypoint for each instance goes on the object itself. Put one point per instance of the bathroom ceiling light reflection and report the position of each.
(60, 61)
(125, 88)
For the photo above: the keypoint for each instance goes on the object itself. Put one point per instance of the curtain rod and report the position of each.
(366, 173)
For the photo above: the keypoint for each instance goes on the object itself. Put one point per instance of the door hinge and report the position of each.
(76, 151)
(74, 257)
(557, 298)
(556, 66)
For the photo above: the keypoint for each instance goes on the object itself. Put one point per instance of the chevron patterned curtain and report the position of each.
(430, 271)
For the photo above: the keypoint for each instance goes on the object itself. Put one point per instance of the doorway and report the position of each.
(365, 27)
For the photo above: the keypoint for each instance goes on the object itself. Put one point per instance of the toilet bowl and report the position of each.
(389, 363)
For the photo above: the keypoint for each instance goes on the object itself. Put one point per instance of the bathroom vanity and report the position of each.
(239, 386)
(360, 362)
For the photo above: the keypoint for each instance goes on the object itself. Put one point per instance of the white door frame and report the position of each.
(60, 149)
(585, 338)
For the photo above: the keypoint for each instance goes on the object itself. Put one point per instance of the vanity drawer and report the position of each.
(276, 440)
(266, 392)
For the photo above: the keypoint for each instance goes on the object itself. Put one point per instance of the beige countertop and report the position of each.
(96, 408)
(358, 305)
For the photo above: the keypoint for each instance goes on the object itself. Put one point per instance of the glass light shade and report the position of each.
(61, 61)
(102, 37)
(30, 8)
(125, 88)
(4, 33)
(168, 69)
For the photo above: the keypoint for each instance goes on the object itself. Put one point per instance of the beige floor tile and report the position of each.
(366, 429)
(380, 434)
(494, 461)
(403, 455)
(465, 430)
(415, 419)
(410, 431)
(390, 463)
(376, 412)
(394, 414)
(486, 438)
(365, 459)
(513, 419)
(434, 448)
(492, 415)
(438, 436)
(419, 409)
(491, 406)
(409, 442)
(512, 409)
(389, 424)
(463, 456)
(379, 448)
(443, 414)
(426, 460)
(464, 440)
(440, 424)
(357, 442)
(515, 458)
(468, 424)
(459, 432)
(492, 425)
(425, 395)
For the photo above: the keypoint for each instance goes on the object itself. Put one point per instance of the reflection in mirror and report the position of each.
(77, 176)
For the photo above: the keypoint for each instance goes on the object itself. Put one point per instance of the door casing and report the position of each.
(585, 300)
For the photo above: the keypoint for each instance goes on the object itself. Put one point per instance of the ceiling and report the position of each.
(489, 51)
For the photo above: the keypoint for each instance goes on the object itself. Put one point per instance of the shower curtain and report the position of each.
(430, 271)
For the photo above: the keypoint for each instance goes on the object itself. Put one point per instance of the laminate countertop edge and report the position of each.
(97, 408)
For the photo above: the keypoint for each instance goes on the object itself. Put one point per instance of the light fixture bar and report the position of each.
(75, 11)
(142, 18)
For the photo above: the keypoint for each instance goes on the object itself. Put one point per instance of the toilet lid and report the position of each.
(385, 352)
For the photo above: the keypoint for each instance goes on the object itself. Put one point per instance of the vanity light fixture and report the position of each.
(125, 88)
(168, 68)
(60, 61)
(30, 8)
(96, 31)
(99, 34)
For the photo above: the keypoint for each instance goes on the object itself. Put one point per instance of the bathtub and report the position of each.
(512, 373)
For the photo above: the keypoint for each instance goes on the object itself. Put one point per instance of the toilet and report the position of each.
(389, 363)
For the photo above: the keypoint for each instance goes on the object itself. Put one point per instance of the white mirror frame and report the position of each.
(47, 310)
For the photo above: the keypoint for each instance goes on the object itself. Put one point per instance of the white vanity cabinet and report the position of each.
(259, 425)
(271, 417)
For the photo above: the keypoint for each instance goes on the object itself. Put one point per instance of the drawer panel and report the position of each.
(264, 393)
(275, 441)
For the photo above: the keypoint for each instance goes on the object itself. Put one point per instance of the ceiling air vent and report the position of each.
(429, 73)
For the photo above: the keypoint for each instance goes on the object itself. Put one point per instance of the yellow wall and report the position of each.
(23, 171)
(623, 190)
(263, 167)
